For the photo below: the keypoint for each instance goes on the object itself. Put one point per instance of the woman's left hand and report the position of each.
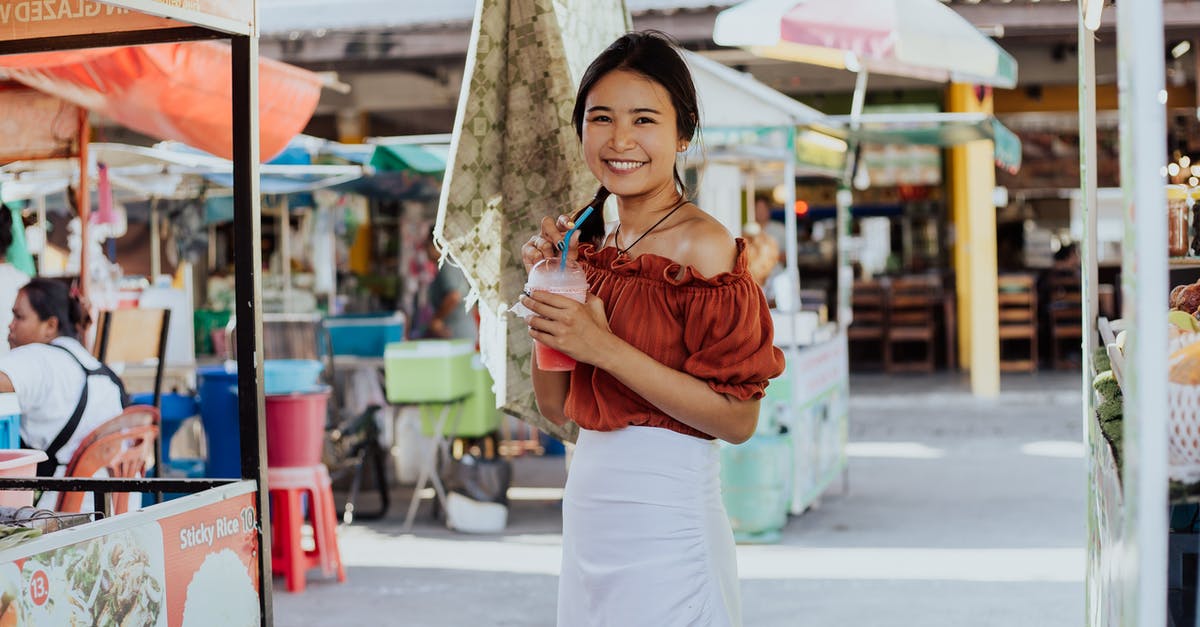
(579, 330)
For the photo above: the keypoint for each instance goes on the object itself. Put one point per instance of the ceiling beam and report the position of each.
(1061, 17)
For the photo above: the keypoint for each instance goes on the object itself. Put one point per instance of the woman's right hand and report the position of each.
(546, 244)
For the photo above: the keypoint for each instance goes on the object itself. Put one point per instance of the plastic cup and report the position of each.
(547, 276)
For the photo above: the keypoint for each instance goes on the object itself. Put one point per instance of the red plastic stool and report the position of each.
(285, 486)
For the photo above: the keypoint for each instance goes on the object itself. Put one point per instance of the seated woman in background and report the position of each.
(11, 279)
(63, 391)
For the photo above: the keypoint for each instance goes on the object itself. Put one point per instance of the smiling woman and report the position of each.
(673, 348)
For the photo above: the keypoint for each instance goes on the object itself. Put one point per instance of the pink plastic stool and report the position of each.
(285, 486)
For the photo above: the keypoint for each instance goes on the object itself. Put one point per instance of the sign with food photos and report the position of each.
(166, 566)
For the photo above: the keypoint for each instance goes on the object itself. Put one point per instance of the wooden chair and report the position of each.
(868, 302)
(134, 336)
(1064, 308)
(124, 447)
(913, 304)
(1017, 300)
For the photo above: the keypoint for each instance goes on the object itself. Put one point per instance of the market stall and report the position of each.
(1132, 560)
(214, 540)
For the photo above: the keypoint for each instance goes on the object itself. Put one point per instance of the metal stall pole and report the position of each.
(1140, 79)
(845, 197)
(247, 214)
(41, 219)
(1088, 202)
(155, 243)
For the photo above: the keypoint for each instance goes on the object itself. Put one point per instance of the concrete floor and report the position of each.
(957, 512)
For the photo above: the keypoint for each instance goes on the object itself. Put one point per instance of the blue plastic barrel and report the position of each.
(219, 414)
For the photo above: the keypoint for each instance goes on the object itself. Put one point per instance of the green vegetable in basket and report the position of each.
(1111, 410)
(1114, 431)
(1106, 385)
(1100, 360)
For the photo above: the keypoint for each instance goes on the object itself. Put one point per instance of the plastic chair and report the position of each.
(286, 487)
(123, 446)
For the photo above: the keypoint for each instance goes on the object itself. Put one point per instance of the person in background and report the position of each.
(772, 228)
(63, 391)
(11, 279)
(446, 294)
(762, 253)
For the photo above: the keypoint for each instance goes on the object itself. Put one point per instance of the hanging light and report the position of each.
(1185, 161)
(1173, 169)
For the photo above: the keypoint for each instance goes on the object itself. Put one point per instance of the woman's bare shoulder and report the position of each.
(707, 246)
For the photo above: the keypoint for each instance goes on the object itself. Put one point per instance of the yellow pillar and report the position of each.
(972, 180)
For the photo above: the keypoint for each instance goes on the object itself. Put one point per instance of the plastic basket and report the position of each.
(21, 462)
(288, 376)
(10, 421)
(364, 335)
(1183, 432)
(428, 371)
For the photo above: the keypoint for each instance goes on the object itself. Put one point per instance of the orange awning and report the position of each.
(179, 91)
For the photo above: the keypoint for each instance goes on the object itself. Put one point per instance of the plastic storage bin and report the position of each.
(21, 462)
(364, 335)
(479, 414)
(288, 376)
(10, 421)
(295, 428)
(756, 486)
(174, 409)
(428, 371)
(219, 414)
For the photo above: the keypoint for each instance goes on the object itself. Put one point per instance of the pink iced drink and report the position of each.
(572, 283)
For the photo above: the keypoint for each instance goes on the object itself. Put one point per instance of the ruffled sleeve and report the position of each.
(729, 338)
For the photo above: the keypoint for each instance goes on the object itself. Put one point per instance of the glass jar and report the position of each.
(1178, 221)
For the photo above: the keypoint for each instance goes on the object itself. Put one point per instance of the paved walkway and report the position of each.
(958, 512)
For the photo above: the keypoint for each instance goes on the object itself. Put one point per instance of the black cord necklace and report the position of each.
(617, 232)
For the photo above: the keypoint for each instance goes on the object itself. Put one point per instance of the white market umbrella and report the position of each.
(922, 39)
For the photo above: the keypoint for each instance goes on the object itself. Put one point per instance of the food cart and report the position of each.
(749, 133)
(196, 560)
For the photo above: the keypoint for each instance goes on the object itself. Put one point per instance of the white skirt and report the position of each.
(646, 540)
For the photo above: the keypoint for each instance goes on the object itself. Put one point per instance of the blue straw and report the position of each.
(562, 265)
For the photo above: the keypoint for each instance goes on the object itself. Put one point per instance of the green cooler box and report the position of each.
(428, 371)
(479, 414)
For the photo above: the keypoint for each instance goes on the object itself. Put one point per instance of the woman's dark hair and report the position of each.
(6, 230)
(654, 55)
(53, 299)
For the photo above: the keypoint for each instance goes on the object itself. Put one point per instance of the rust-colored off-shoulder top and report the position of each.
(714, 328)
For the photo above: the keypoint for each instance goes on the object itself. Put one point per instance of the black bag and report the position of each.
(479, 475)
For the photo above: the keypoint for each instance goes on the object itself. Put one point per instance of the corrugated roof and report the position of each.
(284, 16)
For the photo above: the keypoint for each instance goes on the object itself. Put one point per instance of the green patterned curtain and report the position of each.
(514, 159)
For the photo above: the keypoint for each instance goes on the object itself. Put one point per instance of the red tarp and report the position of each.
(175, 91)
